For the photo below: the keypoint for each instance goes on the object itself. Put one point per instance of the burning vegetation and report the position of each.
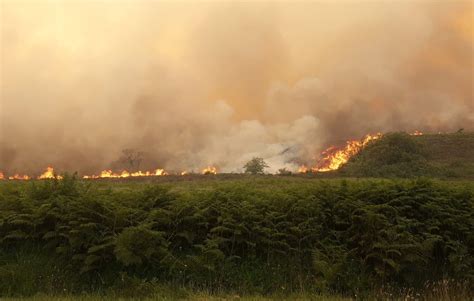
(125, 174)
(330, 159)
(333, 157)
(19, 177)
(108, 173)
(49, 174)
(210, 170)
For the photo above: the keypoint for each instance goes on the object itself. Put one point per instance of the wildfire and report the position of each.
(125, 174)
(416, 133)
(303, 169)
(19, 177)
(49, 174)
(334, 158)
(210, 170)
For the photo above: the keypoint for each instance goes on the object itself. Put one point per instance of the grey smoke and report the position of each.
(193, 84)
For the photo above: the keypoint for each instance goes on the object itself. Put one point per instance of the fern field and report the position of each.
(260, 235)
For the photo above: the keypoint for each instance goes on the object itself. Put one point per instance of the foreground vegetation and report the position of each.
(256, 236)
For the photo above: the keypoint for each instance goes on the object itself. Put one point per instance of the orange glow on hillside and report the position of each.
(334, 157)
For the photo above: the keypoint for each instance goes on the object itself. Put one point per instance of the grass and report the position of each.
(192, 297)
(446, 156)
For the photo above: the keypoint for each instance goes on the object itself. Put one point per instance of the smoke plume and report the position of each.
(192, 84)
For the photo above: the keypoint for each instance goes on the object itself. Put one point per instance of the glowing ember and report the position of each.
(183, 173)
(210, 170)
(2, 176)
(416, 133)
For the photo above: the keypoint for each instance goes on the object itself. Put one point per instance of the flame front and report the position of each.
(108, 173)
(334, 158)
(19, 177)
(210, 170)
(304, 169)
(49, 174)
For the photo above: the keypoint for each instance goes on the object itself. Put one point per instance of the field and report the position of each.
(237, 236)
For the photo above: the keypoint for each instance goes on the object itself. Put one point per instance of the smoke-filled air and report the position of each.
(195, 84)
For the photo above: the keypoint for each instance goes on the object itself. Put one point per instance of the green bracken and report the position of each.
(257, 236)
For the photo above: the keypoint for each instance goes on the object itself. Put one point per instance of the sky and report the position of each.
(197, 83)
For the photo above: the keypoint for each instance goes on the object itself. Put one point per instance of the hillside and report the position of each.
(402, 155)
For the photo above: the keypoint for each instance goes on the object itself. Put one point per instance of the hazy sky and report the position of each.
(192, 83)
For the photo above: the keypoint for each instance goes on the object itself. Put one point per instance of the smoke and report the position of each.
(192, 84)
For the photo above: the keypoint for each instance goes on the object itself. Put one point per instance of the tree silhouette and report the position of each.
(132, 158)
(255, 166)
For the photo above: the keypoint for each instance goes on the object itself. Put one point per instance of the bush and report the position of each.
(255, 166)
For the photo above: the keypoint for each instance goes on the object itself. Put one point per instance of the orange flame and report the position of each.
(49, 174)
(303, 169)
(210, 170)
(416, 133)
(160, 172)
(108, 173)
(334, 158)
(19, 177)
